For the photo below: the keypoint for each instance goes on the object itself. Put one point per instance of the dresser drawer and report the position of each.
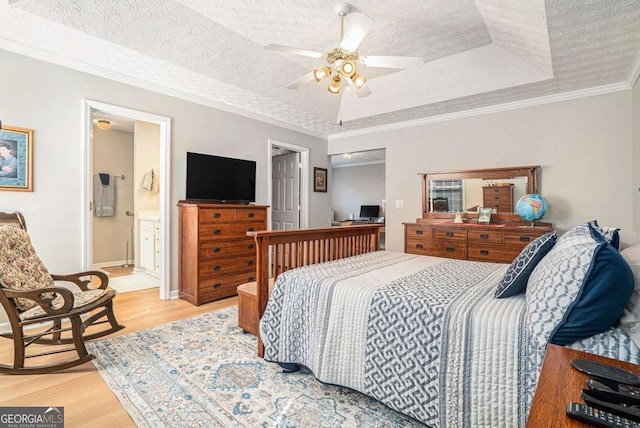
(437, 248)
(250, 215)
(417, 231)
(520, 239)
(225, 266)
(492, 253)
(482, 236)
(208, 232)
(216, 215)
(224, 286)
(451, 233)
(227, 248)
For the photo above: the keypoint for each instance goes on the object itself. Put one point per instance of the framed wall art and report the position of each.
(484, 215)
(319, 179)
(16, 159)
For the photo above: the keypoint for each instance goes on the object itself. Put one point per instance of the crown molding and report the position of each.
(634, 74)
(549, 99)
(345, 165)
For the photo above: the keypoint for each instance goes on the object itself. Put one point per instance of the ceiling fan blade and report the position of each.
(296, 51)
(357, 26)
(301, 81)
(392, 61)
(364, 91)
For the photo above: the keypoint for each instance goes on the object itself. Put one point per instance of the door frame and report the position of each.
(165, 166)
(304, 180)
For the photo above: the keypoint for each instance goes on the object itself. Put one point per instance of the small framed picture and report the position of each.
(16, 159)
(319, 179)
(484, 215)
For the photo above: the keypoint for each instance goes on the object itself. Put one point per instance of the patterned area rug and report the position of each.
(203, 372)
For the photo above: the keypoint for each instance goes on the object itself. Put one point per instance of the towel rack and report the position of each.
(119, 176)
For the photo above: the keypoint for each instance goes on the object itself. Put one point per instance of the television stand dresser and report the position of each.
(215, 253)
(500, 241)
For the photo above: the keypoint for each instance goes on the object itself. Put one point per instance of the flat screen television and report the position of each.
(369, 211)
(220, 179)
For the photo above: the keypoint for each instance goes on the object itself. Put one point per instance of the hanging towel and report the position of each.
(103, 197)
(150, 182)
(104, 178)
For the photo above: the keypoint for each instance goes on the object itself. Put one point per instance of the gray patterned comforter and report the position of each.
(423, 335)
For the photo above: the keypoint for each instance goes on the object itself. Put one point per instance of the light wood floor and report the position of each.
(86, 398)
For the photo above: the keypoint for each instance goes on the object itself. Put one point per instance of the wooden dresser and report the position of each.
(500, 243)
(215, 253)
(498, 197)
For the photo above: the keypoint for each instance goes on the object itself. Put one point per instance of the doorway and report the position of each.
(140, 176)
(288, 187)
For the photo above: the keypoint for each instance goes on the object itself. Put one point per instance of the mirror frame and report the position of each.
(530, 172)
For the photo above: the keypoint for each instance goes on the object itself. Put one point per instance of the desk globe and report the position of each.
(531, 207)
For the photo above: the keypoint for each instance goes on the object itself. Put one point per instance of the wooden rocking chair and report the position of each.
(40, 312)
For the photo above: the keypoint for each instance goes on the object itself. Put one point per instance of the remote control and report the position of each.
(618, 389)
(605, 371)
(598, 418)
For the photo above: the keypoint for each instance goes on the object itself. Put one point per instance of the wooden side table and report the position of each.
(560, 383)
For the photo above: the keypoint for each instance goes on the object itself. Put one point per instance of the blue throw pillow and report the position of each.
(515, 280)
(577, 290)
(610, 234)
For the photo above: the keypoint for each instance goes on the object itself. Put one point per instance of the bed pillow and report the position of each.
(630, 320)
(577, 290)
(515, 280)
(610, 234)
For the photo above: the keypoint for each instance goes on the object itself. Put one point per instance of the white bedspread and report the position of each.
(423, 335)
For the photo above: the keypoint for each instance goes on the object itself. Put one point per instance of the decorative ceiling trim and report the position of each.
(345, 165)
(549, 99)
(634, 74)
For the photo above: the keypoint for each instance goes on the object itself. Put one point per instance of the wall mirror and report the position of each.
(444, 193)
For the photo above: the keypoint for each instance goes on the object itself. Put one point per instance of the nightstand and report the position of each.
(560, 383)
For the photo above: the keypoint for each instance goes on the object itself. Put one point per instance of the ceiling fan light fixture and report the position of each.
(320, 73)
(358, 80)
(103, 124)
(348, 68)
(334, 86)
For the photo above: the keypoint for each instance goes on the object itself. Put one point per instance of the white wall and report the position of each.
(354, 186)
(635, 185)
(584, 148)
(49, 99)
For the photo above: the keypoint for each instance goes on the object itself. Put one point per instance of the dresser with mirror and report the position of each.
(468, 192)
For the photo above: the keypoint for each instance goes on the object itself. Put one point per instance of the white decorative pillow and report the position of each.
(577, 290)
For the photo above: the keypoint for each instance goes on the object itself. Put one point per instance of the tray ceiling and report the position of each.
(477, 53)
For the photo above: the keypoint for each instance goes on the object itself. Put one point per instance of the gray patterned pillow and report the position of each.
(579, 289)
(515, 280)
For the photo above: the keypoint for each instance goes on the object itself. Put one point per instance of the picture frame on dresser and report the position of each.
(484, 215)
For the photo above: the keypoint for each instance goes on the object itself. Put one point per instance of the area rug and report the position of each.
(134, 282)
(204, 372)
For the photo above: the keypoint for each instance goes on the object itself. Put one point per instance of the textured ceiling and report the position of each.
(477, 53)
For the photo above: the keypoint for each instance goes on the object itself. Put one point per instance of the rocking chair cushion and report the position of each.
(80, 299)
(20, 267)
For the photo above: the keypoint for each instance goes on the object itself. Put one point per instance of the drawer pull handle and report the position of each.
(524, 238)
(251, 215)
(217, 250)
(217, 285)
(250, 279)
(450, 249)
(496, 197)
(484, 252)
(449, 234)
(216, 267)
(419, 232)
(419, 246)
(217, 231)
(484, 236)
(250, 229)
(250, 263)
(250, 246)
(217, 215)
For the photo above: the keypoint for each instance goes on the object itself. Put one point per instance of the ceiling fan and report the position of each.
(343, 59)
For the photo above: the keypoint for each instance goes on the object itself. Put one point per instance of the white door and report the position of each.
(285, 204)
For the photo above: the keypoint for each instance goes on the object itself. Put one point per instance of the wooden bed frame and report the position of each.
(279, 251)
